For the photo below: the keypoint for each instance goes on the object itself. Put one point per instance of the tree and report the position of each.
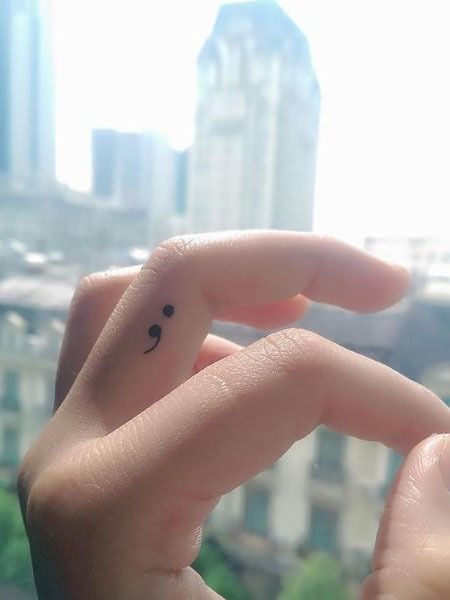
(216, 570)
(15, 562)
(317, 578)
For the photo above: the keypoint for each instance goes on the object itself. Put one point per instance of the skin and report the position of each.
(141, 447)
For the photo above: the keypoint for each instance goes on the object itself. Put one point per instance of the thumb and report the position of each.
(412, 553)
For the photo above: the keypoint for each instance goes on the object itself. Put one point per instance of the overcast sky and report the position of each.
(383, 67)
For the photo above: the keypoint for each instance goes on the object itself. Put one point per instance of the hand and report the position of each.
(146, 438)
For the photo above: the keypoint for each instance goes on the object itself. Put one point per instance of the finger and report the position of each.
(413, 547)
(97, 297)
(197, 277)
(92, 305)
(239, 415)
(214, 348)
(258, 401)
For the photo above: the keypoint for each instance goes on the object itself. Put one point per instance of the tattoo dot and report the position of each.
(168, 310)
(154, 331)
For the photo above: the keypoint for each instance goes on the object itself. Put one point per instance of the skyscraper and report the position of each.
(253, 159)
(134, 170)
(26, 93)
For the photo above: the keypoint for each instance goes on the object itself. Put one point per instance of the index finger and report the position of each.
(145, 352)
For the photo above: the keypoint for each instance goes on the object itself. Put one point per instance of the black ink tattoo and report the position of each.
(155, 330)
(168, 310)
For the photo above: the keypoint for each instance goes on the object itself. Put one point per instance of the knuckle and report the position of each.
(328, 238)
(55, 499)
(176, 255)
(295, 350)
(174, 249)
(87, 284)
(95, 292)
(64, 494)
(85, 292)
(330, 242)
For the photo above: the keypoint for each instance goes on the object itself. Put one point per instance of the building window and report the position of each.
(10, 447)
(329, 457)
(10, 396)
(323, 530)
(256, 511)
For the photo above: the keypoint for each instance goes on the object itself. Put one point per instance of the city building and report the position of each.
(26, 95)
(181, 181)
(32, 315)
(81, 234)
(134, 170)
(252, 164)
(167, 218)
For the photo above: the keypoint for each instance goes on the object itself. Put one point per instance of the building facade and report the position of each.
(27, 153)
(32, 316)
(252, 164)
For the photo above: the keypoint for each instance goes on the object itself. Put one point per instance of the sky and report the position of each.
(383, 67)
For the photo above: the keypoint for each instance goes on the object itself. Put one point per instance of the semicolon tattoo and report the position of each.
(155, 331)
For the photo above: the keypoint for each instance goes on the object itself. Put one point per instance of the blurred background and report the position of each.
(124, 123)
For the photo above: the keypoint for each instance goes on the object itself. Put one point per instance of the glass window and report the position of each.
(10, 446)
(10, 397)
(323, 533)
(256, 511)
(329, 456)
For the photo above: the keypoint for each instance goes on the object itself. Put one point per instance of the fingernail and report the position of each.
(444, 459)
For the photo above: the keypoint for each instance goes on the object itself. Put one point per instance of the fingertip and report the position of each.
(410, 559)
(294, 308)
(355, 279)
(401, 270)
(402, 277)
(385, 285)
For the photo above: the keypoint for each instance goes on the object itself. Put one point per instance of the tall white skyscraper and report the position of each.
(253, 159)
(26, 93)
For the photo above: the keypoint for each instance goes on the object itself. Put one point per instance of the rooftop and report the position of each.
(269, 20)
(36, 293)
(264, 13)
